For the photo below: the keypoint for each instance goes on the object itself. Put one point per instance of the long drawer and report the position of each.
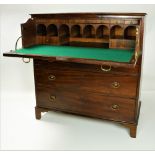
(121, 85)
(85, 103)
(66, 66)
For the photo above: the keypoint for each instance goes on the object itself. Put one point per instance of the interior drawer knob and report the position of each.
(115, 84)
(105, 69)
(52, 98)
(51, 77)
(115, 107)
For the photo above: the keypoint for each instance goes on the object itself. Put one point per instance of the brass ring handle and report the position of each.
(115, 107)
(51, 77)
(26, 61)
(115, 84)
(105, 69)
(17, 42)
(52, 98)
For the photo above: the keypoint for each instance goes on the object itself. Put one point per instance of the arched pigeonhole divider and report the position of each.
(130, 33)
(89, 31)
(116, 32)
(52, 30)
(102, 32)
(76, 31)
(64, 30)
(41, 30)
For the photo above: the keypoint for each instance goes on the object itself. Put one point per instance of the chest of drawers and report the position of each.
(88, 90)
(86, 64)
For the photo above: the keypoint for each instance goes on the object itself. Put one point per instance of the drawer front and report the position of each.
(90, 104)
(122, 43)
(52, 40)
(109, 84)
(128, 44)
(131, 22)
(117, 21)
(65, 66)
(117, 43)
(47, 40)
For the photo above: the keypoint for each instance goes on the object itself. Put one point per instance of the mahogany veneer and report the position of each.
(102, 89)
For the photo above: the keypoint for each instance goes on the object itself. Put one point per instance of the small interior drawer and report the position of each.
(131, 22)
(117, 21)
(47, 40)
(122, 43)
(117, 43)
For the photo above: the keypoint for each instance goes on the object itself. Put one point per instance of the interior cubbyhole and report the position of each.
(130, 33)
(75, 31)
(52, 30)
(102, 32)
(41, 30)
(64, 31)
(116, 32)
(89, 31)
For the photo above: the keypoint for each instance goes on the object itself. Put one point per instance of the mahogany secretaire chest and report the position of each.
(86, 63)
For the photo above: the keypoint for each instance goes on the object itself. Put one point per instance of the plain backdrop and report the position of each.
(58, 131)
